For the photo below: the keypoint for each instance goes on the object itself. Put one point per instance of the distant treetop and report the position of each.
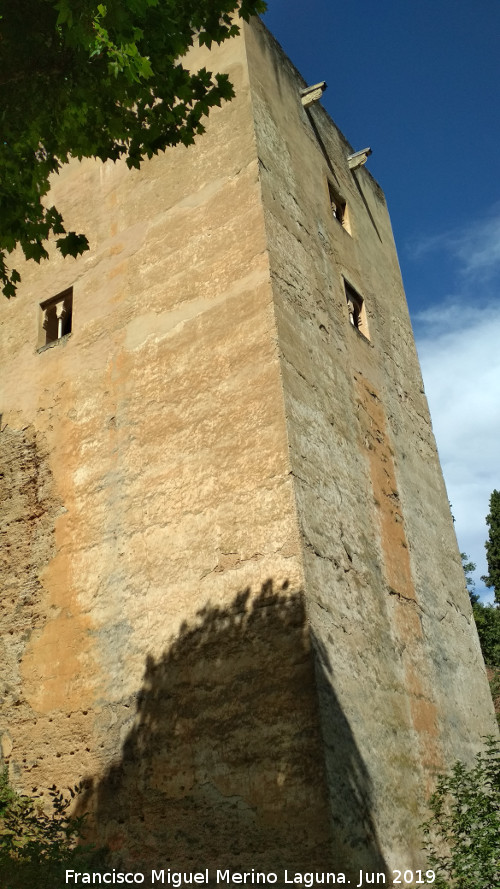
(492, 546)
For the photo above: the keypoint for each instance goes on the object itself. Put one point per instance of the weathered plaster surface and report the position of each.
(172, 667)
(385, 596)
(237, 608)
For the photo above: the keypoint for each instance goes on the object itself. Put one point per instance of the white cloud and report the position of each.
(459, 349)
(475, 246)
(458, 340)
(479, 248)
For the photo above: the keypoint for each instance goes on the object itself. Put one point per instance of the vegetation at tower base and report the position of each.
(487, 620)
(463, 833)
(83, 79)
(36, 846)
(492, 546)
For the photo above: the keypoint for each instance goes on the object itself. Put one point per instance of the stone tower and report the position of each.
(233, 600)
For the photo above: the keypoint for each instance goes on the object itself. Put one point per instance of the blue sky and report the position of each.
(418, 81)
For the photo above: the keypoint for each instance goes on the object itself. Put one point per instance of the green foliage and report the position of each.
(463, 833)
(469, 567)
(495, 684)
(36, 846)
(495, 691)
(492, 546)
(487, 619)
(90, 79)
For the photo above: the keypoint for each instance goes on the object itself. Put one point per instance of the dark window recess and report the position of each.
(337, 205)
(57, 317)
(357, 311)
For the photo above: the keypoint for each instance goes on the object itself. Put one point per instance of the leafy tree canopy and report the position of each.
(101, 80)
(492, 545)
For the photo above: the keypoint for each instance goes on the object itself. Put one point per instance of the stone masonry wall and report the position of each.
(401, 681)
(157, 642)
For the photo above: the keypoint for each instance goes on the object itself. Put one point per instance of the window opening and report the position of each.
(356, 309)
(57, 317)
(338, 207)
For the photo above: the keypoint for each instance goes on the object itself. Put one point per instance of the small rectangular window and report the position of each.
(356, 309)
(56, 317)
(338, 207)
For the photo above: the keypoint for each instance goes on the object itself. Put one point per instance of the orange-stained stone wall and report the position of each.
(401, 683)
(160, 649)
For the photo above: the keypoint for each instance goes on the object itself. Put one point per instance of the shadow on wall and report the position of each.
(224, 764)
